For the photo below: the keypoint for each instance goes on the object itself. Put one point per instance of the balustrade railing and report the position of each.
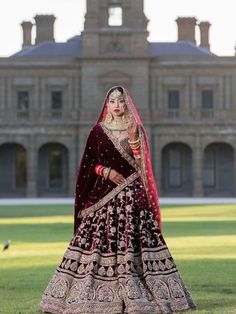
(160, 115)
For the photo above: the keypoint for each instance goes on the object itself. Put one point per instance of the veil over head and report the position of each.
(146, 166)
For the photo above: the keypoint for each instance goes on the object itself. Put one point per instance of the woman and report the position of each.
(117, 260)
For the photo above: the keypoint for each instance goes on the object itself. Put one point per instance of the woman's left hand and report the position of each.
(132, 129)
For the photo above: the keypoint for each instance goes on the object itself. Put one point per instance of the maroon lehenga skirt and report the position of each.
(117, 262)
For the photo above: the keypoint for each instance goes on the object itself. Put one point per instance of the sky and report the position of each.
(161, 14)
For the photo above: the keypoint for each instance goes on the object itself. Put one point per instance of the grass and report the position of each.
(201, 238)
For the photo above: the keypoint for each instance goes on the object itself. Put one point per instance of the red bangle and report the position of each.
(136, 151)
(135, 146)
(99, 169)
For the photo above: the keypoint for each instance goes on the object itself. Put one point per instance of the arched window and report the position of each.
(55, 169)
(177, 170)
(209, 173)
(115, 15)
(20, 167)
(218, 170)
(175, 164)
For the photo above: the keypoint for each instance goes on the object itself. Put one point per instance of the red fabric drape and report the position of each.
(147, 172)
(91, 157)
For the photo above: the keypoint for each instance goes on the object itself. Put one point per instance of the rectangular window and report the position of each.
(173, 104)
(22, 104)
(173, 99)
(207, 104)
(175, 168)
(207, 99)
(115, 15)
(209, 177)
(56, 103)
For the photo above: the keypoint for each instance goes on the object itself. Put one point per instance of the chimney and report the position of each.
(26, 28)
(186, 28)
(204, 34)
(44, 28)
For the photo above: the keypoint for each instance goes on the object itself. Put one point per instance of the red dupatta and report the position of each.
(87, 174)
(146, 166)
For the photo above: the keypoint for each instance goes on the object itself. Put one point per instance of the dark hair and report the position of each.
(120, 89)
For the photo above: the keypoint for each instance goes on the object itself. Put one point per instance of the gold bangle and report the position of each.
(133, 142)
(109, 170)
(106, 172)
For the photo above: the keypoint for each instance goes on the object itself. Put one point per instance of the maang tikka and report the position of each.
(116, 94)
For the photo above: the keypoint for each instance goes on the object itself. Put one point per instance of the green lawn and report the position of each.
(202, 240)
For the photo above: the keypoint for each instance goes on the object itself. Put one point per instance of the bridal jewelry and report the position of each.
(116, 94)
(106, 172)
(109, 121)
(136, 148)
(116, 125)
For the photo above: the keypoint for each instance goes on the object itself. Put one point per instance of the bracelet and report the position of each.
(136, 151)
(135, 146)
(99, 169)
(106, 172)
(109, 170)
(133, 142)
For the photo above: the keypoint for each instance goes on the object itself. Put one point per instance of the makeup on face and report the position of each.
(117, 105)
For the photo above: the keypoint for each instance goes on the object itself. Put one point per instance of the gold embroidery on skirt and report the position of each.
(108, 196)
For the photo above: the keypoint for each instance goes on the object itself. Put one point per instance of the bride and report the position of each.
(117, 260)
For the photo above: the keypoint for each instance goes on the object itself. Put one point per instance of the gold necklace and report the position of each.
(117, 126)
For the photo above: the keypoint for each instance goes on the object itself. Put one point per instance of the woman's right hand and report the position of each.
(116, 177)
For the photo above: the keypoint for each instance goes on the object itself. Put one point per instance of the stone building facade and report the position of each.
(51, 93)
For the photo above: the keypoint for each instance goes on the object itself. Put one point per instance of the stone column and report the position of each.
(32, 167)
(73, 166)
(194, 98)
(228, 99)
(234, 169)
(158, 166)
(2, 95)
(197, 169)
(11, 105)
(184, 100)
(43, 99)
(36, 108)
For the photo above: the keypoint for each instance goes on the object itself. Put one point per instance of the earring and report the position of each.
(123, 119)
(109, 117)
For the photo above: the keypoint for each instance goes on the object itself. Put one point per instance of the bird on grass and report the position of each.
(6, 245)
